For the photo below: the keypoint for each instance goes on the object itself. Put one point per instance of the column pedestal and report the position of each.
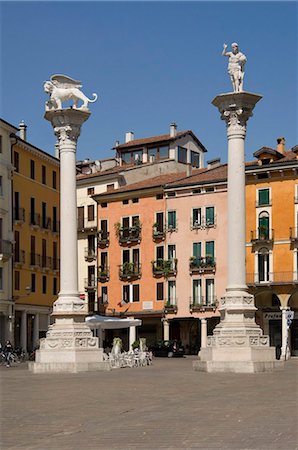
(237, 344)
(69, 345)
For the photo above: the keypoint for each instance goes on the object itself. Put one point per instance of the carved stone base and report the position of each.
(238, 344)
(69, 346)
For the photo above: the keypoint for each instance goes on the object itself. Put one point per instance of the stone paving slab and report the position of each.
(165, 406)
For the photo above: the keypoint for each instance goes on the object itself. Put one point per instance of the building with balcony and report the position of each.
(272, 244)
(6, 233)
(35, 203)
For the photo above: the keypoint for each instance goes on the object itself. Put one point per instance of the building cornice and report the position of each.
(37, 151)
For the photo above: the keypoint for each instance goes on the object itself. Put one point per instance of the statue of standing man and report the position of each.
(236, 64)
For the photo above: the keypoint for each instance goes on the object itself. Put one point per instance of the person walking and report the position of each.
(7, 352)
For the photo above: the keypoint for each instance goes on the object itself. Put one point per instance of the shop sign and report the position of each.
(272, 315)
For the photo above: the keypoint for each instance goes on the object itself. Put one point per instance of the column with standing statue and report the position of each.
(237, 343)
(69, 345)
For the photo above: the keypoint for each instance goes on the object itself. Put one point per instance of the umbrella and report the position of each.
(107, 322)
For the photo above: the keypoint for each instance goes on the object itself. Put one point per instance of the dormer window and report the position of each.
(132, 157)
(182, 155)
(156, 153)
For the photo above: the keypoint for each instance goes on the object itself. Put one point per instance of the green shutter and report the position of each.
(210, 215)
(209, 249)
(263, 196)
(196, 249)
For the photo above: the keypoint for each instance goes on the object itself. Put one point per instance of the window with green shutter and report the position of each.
(263, 197)
(210, 215)
(197, 247)
(172, 220)
(209, 249)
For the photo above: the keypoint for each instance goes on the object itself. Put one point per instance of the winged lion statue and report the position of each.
(62, 88)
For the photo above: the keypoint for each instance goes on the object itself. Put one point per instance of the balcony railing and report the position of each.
(164, 267)
(19, 215)
(202, 265)
(103, 238)
(5, 249)
(272, 278)
(158, 233)
(90, 254)
(202, 303)
(90, 284)
(46, 262)
(35, 260)
(294, 234)
(130, 235)
(261, 235)
(46, 223)
(19, 257)
(171, 306)
(202, 223)
(129, 270)
(35, 220)
(103, 273)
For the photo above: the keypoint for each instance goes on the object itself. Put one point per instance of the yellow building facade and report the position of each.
(272, 243)
(35, 196)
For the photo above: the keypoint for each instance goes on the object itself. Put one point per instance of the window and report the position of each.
(132, 157)
(197, 249)
(16, 161)
(263, 265)
(90, 191)
(44, 284)
(172, 220)
(32, 169)
(196, 217)
(159, 196)
(196, 292)
(55, 223)
(1, 186)
(104, 205)
(263, 197)
(263, 225)
(171, 194)
(171, 252)
(17, 280)
(160, 252)
(135, 292)
(90, 213)
(209, 216)
(125, 294)
(182, 155)
(195, 159)
(104, 294)
(210, 299)
(44, 215)
(197, 191)
(104, 261)
(209, 189)
(33, 259)
(159, 222)
(159, 291)
(135, 200)
(43, 174)
(262, 176)
(156, 153)
(54, 179)
(55, 286)
(209, 250)
(125, 202)
(1, 278)
(172, 292)
(110, 187)
(33, 282)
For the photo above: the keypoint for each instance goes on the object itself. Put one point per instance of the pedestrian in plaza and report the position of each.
(7, 352)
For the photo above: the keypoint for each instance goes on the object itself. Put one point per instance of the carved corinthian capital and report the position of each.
(67, 133)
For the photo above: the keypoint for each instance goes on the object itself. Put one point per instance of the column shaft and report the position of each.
(36, 330)
(284, 333)
(203, 333)
(166, 330)
(132, 336)
(24, 331)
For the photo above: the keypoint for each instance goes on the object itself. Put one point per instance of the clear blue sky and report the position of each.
(151, 63)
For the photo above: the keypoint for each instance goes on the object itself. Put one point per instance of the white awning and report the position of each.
(107, 322)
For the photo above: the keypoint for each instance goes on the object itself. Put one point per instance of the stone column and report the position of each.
(69, 345)
(132, 335)
(36, 331)
(237, 344)
(166, 329)
(284, 333)
(203, 333)
(24, 331)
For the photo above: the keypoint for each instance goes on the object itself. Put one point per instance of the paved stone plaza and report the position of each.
(165, 406)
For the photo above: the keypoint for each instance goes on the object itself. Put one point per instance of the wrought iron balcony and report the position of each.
(158, 232)
(202, 265)
(164, 267)
(197, 304)
(90, 254)
(262, 235)
(35, 220)
(19, 257)
(130, 235)
(171, 306)
(19, 215)
(294, 235)
(46, 223)
(103, 274)
(272, 278)
(90, 284)
(129, 270)
(5, 249)
(46, 262)
(103, 238)
(35, 260)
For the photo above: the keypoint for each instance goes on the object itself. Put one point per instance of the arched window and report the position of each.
(263, 265)
(263, 225)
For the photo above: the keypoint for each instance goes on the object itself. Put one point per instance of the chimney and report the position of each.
(117, 143)
(173, 129)
(23, 130)
(129, 136)
(281, 145)
(213, 163)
